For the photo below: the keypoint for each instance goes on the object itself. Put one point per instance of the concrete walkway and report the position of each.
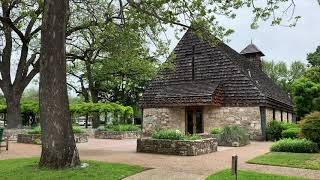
(166, 166)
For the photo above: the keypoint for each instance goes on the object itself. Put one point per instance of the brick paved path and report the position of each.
(166, 166)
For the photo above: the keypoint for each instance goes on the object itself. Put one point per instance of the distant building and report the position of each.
(214, 86)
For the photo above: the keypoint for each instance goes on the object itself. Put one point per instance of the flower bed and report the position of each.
(117, 134)
(36, 138)
(177, 147)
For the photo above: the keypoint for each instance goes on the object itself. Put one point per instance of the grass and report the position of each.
(297, 160)
(250, 175)
(27, 169)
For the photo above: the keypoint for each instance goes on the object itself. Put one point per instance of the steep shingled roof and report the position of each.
(231, 78)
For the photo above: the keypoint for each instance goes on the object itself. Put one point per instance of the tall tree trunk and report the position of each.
(58, 145)
(95, 116)
(14, 119)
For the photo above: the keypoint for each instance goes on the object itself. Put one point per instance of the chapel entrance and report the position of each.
(194, 120)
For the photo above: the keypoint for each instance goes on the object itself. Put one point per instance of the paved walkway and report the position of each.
(166, 166)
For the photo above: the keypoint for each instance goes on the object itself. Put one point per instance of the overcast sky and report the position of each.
(278, 43)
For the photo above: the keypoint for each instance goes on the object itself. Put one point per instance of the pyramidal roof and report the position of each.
(251, 49)
(212, 75)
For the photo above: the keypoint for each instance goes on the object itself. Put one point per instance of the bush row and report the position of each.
(295, 146)
(37, 130)
(120, 127)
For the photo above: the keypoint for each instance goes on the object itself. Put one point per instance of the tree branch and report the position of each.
(137, 6)
(8, 21)
(80, 27)
(74, 88)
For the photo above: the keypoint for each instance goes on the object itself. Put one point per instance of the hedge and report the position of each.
(295, 146)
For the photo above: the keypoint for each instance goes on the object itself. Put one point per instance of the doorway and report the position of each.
(194, 120)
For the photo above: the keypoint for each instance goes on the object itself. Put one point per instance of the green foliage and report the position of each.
(121, 127)
(77, 130)
(191, 137)
(3, 108)
(295, 146)
(276, 128)
(310, 127)
(173, 135)
(233, 133)
(35, 130)
(283, 75)
(286, 126)
(306, 92)
(215, 130)
(292, 133)
(168, 134)
(87, 108)
(314, 58)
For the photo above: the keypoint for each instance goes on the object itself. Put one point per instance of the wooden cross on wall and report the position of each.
(193, 54)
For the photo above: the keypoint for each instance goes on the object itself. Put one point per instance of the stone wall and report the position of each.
(278, 115)
(36, 138)
(117, 135)
(177, 147)
(269, 114)
(247, 117)
(13, 133)
(163, 118)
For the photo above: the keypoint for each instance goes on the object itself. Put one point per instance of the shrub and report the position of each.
(232, 134)
(215, 130)
(295, 146)
(168, 134)
(286, 126)
(121, 127)
(310, 127)
(292, 133)
(77, 130)
(35, 130)
(192, 137)
(274, 130)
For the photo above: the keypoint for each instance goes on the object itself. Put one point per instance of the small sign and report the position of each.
(234, 165)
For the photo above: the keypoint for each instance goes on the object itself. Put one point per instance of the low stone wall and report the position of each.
(12, 134)
(177, 147)
(36, 138)
(118, 134)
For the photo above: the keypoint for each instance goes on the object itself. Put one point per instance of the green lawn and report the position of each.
(298, 160)
(250, 175)
(27, 169)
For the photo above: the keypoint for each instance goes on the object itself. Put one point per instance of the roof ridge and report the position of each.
(237, 62)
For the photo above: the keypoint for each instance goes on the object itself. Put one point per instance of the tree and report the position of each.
(58, 145)
(314, 58)
(306, 92)
(282, 75)
(116, 73)
(20, 26)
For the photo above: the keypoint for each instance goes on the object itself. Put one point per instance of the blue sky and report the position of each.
(278, 43)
